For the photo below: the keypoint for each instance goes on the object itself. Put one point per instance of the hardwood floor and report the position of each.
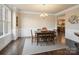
(16, 48)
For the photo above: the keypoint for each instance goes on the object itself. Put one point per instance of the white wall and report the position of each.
(33, 21)
(14, 24)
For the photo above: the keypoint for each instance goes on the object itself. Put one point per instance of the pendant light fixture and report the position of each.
(43, 14)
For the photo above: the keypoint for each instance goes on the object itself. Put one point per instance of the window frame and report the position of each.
(8, 21)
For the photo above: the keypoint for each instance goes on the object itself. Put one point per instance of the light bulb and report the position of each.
(46, 14)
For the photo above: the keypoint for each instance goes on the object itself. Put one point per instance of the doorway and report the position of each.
(61, 30)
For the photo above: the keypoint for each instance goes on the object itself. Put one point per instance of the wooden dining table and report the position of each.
(45, 36)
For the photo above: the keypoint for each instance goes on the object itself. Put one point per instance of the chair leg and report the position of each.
(32, 40)
(37, 40)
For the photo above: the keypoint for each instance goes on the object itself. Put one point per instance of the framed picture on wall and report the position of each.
(16, 20)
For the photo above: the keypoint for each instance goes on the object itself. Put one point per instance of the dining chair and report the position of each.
(55, 35)
(41, 38)
(52, 37)
(45, 38)
(32, 35)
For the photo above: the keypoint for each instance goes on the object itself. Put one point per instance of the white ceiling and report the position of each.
(49, 8)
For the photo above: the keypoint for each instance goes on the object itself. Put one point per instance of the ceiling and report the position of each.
(49, 8)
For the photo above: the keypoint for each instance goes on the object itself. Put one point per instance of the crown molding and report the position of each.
(66, 10)
(31, 12)
(56, 14)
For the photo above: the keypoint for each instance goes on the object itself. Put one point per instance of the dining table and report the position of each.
(45, 36)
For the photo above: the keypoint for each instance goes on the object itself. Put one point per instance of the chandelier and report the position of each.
(43, 14)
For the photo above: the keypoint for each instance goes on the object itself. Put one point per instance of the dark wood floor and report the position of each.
(16, 48)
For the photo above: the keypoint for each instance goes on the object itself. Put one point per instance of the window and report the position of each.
(1, 21)
(5, 20)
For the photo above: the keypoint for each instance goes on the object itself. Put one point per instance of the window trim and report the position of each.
(3, 18)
